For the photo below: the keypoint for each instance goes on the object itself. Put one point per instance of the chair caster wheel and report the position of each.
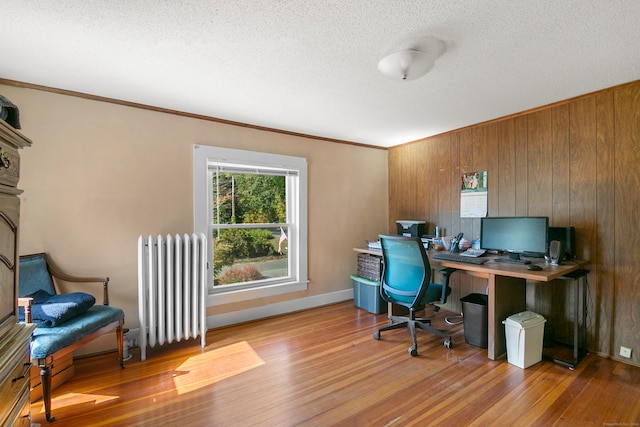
(448, 343)
(376, 335)
(413, 351)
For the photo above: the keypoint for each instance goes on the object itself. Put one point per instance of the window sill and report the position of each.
(231, 296)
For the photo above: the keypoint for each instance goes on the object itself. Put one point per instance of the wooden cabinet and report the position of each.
(14, 338)
(15, 369)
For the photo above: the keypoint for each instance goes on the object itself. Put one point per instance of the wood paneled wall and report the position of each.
(577, 162)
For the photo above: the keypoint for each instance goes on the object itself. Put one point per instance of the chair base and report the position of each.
(412, 322)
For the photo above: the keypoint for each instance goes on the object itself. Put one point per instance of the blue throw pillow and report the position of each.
(49, 311)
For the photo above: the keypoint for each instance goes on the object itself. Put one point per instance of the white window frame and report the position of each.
(205, 161)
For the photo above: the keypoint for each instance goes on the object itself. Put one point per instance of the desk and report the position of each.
(507, 290)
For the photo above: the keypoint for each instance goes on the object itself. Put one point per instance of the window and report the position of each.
(253, 207)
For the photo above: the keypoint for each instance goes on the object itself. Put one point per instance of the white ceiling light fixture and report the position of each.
(408, 64)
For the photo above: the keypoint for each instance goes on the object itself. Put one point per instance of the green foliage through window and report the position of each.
(241, 198)
(244, 199)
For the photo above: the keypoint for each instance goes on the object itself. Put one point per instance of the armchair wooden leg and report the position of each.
(120, 339)
(45, 381)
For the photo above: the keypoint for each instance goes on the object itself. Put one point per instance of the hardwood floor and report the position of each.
(322, 367)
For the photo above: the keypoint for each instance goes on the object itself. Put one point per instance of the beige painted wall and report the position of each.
(100, 174)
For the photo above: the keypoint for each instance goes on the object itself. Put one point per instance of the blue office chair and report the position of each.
(406, 281)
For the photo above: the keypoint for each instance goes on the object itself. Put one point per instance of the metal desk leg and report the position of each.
(575, 322)
(579, 351)
(584, 318)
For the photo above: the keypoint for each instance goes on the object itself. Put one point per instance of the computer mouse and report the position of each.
(533, 267)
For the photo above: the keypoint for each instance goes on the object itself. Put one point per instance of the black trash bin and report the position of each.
(476, 318)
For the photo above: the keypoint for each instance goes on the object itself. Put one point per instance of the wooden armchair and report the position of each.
(65, 322)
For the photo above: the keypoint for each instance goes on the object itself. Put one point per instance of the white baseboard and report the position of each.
(247, 315)
(107, 342)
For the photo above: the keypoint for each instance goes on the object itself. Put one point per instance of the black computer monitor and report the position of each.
(514, 235)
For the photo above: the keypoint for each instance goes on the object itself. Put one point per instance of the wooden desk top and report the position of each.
(368, 251)
(548, 273)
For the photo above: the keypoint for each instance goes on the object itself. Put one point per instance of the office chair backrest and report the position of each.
(406, 270)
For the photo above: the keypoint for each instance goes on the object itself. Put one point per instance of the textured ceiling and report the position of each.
(310, 66)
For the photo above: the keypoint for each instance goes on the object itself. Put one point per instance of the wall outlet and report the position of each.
(625, 352)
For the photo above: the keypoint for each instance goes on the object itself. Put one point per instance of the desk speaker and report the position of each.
(566, 236)
(556, 252)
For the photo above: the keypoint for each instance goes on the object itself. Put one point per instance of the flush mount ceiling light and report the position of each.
(406, 64)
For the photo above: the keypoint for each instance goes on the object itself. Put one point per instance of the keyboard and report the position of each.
(448, 256)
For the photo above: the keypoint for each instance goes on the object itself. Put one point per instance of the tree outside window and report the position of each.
(251, 251)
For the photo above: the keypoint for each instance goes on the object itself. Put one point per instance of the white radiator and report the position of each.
(172, 285)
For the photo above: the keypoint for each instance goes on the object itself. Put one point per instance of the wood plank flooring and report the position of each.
(322, 367)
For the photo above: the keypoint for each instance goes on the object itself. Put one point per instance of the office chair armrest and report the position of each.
(446, 274)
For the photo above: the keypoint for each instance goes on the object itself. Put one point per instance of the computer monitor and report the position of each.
(514, 235)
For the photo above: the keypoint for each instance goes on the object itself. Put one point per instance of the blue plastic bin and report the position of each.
(366, 295)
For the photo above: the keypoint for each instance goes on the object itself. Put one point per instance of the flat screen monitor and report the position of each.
(515, 235)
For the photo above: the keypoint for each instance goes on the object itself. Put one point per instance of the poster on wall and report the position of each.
(473, 195)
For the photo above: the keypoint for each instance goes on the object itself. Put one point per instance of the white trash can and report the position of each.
(525, 333)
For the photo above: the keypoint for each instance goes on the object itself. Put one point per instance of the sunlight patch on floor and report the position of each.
(75, 399)
(215, 365)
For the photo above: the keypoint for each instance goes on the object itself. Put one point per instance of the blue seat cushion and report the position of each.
(34, 276)
(47, 341)
(49, 311)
